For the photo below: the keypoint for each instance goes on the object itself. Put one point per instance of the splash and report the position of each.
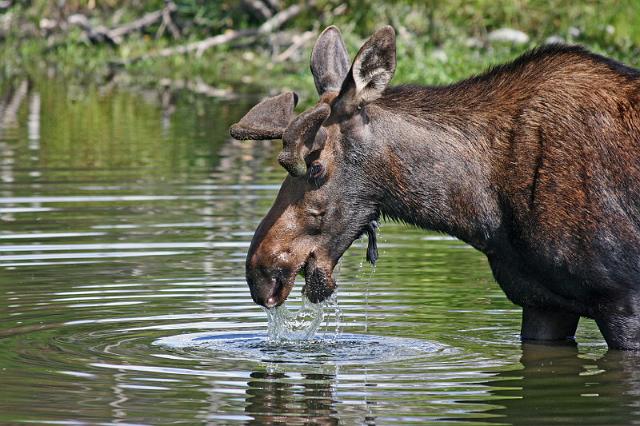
(285, 325)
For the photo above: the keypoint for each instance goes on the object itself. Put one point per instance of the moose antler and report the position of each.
(267, 120)
(272, 118)
(301, 137)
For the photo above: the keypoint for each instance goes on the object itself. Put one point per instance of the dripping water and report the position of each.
(333, 307)
(287, 325)
(372, 271)
(361, 246)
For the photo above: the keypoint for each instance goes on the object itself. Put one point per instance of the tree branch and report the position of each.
(198, 86)
(298, 41)
(148, 19)
(275, 22)
(258, 8)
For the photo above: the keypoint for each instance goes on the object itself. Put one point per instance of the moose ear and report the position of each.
(267, 120)
(329, 61)
(374, 65)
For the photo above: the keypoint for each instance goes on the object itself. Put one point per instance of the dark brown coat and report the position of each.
(535, 163)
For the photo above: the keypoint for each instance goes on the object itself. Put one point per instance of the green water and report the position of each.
(124, 220)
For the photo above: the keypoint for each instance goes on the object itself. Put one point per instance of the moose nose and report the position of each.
(266, 295)
(271, 302)
(269, 273)
(265, 285)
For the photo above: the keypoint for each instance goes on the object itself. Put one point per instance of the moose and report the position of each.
(535, 163)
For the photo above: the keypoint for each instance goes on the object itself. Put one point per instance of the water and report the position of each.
(346, 349)
(124, 222)
(284, 325)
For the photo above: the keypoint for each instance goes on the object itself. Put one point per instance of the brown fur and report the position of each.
(551, 145)
(535, 163)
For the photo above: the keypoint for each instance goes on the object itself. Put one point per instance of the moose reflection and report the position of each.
(535, 163)
(592, 392)
(270, 393)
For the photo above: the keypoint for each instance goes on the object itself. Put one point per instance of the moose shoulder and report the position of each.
(535, 163)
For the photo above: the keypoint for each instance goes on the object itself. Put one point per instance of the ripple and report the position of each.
(345, 349)
(123, 298)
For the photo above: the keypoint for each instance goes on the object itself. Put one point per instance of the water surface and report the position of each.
(124, 222)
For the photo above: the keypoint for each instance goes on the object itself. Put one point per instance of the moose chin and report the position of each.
(535, 163)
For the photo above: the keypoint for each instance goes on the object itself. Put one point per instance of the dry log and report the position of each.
(199, 47)
(280, 18)
(114, 36)
(95, 35)
(298, 41)
(143, 22)
(258, 8)
(198, 86)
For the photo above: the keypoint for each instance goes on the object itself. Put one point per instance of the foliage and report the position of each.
(438, 41)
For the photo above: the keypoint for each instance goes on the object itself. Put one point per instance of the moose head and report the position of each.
(331, 195)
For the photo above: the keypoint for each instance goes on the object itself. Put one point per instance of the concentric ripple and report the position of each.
(344, 349)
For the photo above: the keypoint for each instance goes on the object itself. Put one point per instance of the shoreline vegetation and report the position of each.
(226, 49)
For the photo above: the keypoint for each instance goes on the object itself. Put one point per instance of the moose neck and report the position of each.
(438, 158)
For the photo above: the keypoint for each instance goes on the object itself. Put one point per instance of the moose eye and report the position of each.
(316, 170)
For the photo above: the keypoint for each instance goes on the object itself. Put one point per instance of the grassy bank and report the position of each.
(438, 42)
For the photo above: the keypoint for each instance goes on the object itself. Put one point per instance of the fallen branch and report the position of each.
(141, 23)
(280, 18)
(298, 42)
(258, 8)
(199, 47)
(114, 36)
(95, 35)
(167, 21)
(198, 86)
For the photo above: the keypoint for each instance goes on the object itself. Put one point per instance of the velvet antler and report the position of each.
(273, 117)
(301, 137)
(267, 120)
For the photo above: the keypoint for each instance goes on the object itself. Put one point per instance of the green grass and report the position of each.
(438, 42)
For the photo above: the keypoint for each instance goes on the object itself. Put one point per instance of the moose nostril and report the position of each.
(267, 283)
(276, 287)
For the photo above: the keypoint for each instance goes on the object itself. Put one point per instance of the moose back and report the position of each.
(535, 163)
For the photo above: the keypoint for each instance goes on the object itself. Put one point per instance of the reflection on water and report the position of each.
(558, 385)
(125, 219)
(271, 397)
